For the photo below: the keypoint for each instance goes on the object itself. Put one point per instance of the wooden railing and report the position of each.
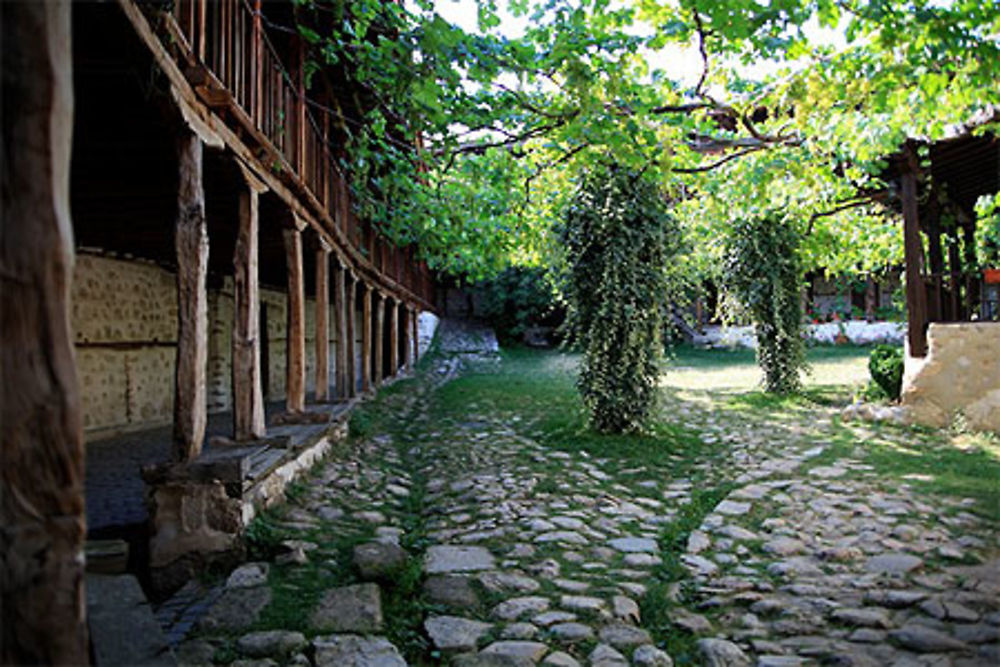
(241, 70)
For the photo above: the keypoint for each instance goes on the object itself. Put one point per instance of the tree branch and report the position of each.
(718, 163)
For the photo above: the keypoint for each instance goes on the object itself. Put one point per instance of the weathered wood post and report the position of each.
(248, 393)
(191, 244)
(416, 335)
(378, 339)
(340, 317)
(352, 355)
(323, 322)
(407, 336)
(394, 338)
(916, 294)
(295, 359)
(41, 479)
(366, 338)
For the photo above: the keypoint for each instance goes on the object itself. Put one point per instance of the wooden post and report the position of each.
(416, 335)
(366, 338)
(407, 337)
(42, 478)
(248, 394)
(916, 294)
(191, 244)
(394, 338)
(295, 357)
(350, 303)
(871, 293)
(379, 338)
(323, 322)
(340, 317)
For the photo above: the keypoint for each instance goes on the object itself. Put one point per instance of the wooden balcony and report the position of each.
(225, 51)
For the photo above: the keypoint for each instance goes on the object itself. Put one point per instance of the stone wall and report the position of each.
(124, 317)
(427, 325)
(959, 376)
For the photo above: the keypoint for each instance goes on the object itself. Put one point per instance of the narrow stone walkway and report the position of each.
(467, 542)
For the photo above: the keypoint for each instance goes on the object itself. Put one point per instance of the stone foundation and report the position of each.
(959, 376)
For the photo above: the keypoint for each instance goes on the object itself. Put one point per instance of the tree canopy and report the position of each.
(795, 105)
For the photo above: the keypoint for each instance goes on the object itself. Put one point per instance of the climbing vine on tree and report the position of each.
(763, 270)
(618, 237)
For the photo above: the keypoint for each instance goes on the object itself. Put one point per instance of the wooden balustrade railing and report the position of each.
(229, 40)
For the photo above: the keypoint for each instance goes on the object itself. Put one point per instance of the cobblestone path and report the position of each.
(467, 542)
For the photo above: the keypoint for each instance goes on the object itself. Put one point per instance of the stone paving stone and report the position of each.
(442, 559)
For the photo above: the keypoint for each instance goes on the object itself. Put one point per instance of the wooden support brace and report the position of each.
(394, 338)
(407, 336)
(248, 394)
(191, 245)
(416, 335)
(340, 315)
(378, 343)
(295, 362)
(351, 365)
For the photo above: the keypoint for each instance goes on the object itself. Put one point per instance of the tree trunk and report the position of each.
(248, 393)
(295, 358)
(42, 478)
(191, 244)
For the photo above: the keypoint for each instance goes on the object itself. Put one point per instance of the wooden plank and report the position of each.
(916, 293)
(248, 393)
(295, 359)
(394, 338)
(42, 476)
(191, 244)
(378, 338)
(322, 324)
(366, 338)
(351, 365)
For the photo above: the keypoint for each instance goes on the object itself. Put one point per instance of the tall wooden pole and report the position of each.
(407, 336)
(41, 478)
(378, 343)
(351, 365)
(248, 393)
(340, 315)
(394, 338)
(323, 323)
(366, 338)
(916, 294)
(191, 244)
(416, 335)
(295, 361)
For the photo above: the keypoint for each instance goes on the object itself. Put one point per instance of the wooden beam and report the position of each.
(248, 393)
(340, 317)
(366, 338)
(407, 337)
(322, 324)
(916, 294)
(378, 339)
(350, 303)
(394, 338)
(191, 244)
(295, 358)
(416, 335)
(42, 476)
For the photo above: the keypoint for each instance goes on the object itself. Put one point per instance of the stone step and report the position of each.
(123, 630)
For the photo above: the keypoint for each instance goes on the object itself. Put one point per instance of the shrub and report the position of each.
(764, 272)
(519, 298)
(886, 368)
(617, 238)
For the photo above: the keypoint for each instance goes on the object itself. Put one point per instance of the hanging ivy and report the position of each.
(617, 238)
(763, 270)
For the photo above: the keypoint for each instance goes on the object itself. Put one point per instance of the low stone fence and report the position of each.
(857, 332)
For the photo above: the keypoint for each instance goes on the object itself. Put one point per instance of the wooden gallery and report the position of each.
(185, 286)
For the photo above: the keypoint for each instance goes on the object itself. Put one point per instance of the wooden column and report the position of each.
(42, 478)
(407, 337)
(323, 322)
(416, 335)
(378, 339)
(350, 303)
(916, 294)
(340, 318)
(295, 356)
(248, 394)
(366, 338)
(191, 245)
(394, 338)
